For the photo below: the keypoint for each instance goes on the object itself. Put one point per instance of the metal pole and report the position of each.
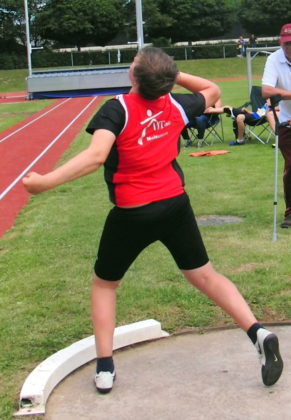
(274, 101)
(28, 45)
(274, 238)
(249, 70)
(139, 23)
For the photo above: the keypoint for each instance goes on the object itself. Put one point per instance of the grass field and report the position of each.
(47, 257)
(13, 80)
(12, 113)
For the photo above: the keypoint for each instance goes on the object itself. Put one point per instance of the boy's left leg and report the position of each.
(103, 301)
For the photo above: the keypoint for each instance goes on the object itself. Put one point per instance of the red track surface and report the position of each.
(22, 148)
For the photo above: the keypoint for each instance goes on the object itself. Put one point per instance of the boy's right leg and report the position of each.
(103, 303)
(225, 294)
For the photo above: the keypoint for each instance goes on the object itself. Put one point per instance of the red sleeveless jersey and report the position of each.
(147, 148)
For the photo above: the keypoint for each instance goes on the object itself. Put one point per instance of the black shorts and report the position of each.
(128, 231)
(249, 118)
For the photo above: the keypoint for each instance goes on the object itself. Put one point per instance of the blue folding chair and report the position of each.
(204, 130)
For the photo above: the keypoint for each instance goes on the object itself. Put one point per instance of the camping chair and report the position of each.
(204, 130)
(261, 126)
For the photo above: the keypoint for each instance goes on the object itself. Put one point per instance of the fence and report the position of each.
(95, 57)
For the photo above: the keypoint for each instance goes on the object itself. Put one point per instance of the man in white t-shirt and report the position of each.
(277, 81)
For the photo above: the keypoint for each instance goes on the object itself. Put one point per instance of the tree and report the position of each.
(193, 21)
(12, 23)
(182, 20)
(264, 17)
(80, 23)
(153, 19)
(8, 23)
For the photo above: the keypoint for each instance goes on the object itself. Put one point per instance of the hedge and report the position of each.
(47, 58)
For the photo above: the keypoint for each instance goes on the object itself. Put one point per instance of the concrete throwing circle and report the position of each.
(218, 220)
(210, 376)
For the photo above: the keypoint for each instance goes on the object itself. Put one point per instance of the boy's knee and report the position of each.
(104, 284)
(240, 118)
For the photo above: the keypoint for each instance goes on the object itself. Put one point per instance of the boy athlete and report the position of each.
(136, 138)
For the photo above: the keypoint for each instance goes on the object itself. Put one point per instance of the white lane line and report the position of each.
(12, 96)
(6, 191)
(32, 121)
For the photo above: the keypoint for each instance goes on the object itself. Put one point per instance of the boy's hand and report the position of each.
(33, 183)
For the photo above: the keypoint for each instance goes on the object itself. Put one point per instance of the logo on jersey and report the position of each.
(156, 125)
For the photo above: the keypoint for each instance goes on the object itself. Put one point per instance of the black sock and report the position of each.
(252, 331)
(105, 364)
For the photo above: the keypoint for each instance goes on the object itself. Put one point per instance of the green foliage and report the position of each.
(13, 61)
(8, 24)
(156, 20)
(161, 42)
(76, 23)
(72, 23)
(12, 21)
(46, 59)
(204, 20)
(50, 59)
(264, 17)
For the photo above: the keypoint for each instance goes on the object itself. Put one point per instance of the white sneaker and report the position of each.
(104, 381)
(267, 346)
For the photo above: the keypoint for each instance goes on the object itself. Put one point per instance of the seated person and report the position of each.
(243, 116)
(202, 122)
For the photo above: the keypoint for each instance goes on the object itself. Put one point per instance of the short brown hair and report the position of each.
(155, 72)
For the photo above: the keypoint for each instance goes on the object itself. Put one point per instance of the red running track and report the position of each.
(37, 144)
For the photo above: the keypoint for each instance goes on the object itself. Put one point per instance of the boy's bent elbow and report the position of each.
(98, 160)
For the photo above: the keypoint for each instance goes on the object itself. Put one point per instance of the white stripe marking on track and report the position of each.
(12, 96)
(20, 176)
(32, 121)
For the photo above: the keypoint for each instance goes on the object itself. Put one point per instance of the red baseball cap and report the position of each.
(285, 34)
